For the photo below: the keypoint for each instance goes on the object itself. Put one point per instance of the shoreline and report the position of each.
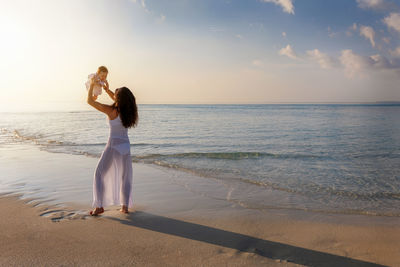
(155, 187)
(78, 189)
(170, 224)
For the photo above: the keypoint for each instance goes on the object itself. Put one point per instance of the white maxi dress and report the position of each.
(113, 178)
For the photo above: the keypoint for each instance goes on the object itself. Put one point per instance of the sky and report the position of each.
(199, 52)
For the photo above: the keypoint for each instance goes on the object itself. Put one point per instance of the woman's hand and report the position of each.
(106, 85)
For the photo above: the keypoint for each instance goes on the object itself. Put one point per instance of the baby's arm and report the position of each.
(99, 106)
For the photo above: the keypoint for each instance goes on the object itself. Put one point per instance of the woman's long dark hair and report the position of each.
(125, 103)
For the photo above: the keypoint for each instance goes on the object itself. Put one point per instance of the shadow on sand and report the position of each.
(241, 242)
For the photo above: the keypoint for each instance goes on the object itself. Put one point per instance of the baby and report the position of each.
(99, 78)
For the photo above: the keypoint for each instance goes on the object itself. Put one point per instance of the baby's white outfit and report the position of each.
(97, 87)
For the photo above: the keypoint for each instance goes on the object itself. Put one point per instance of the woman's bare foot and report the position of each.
(124, 209)
(96, 211)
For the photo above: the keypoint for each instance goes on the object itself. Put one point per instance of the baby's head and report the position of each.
(102, 73)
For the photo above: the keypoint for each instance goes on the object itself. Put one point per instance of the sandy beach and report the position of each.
(172, 226)
(213, 133)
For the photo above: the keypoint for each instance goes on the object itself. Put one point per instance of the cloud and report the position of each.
(369, 34)
(354, 64)
(239, 36)
(289, 52)
(284, 34)
(373, 4)
(378, 5)
(325, 61)
(352, 28)
(393, 21)
(287, 5)
(332, 34)
(381, 62)
(142, 3)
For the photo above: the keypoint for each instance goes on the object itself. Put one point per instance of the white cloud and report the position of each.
(289, 52)
(374, 4)
(325, 61)
(284, 34)
(393, 21)
(354, 64)
(239, 36)
(287, 5)
(378, 5)
(369, 34)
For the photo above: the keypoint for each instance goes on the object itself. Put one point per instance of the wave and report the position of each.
(239, 155)
(311, 190)
(305, 190)
(312, 194)
(231, 155)
(164, 160)
(40, 140)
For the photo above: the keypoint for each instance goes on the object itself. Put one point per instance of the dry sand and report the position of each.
(145, 239)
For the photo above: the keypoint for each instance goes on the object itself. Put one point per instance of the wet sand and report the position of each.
(170, 225)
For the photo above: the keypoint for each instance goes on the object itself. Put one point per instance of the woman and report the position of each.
(112, 184)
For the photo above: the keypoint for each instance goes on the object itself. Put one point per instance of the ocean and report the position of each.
(334, 158)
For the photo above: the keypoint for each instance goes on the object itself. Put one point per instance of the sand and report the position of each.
(170, 226)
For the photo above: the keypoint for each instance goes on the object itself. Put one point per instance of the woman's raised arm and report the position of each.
(97, 105)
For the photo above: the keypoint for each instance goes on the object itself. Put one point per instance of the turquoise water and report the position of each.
(334, 158)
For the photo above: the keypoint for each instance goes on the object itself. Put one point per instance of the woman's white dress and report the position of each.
(113, 178)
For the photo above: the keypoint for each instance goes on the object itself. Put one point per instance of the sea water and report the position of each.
(341, 158)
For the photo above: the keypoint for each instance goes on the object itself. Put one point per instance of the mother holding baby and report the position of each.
(113, 178)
